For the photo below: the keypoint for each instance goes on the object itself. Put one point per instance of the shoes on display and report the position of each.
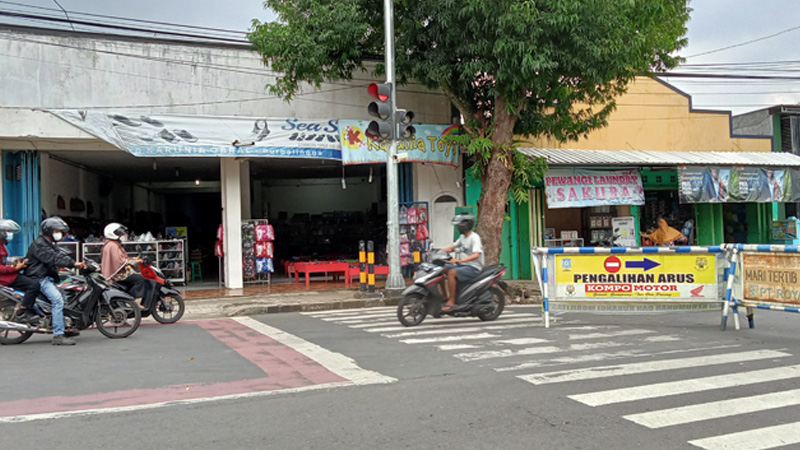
(151, 121)
(124, 120)
(185, 135)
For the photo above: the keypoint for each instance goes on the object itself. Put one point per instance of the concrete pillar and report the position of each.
(230, 182)
(244, 177)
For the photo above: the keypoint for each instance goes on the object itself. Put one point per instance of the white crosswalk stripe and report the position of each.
(517, 342)
(716, 410)
(757, 439)
(650, 366)
(687, 386)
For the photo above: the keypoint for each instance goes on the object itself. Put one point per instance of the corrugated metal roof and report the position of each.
(572, 157)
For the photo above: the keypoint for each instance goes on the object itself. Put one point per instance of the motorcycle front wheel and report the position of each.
(168, 308)
(498, 301)
(11, 337)
(411, 310)
(114, 321)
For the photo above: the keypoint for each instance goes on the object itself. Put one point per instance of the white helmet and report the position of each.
(114, 231)
(7, 229)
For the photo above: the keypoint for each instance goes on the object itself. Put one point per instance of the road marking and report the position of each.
(522, 341)
(518, 318)
(658, 390)
(342, 371)
(450, 347)
(715, 410)
(411, 332)
(335, 362)
(477, 356)
(758, 439)
(650, 366)
(348, 312)
(634, 332)
(461, 337)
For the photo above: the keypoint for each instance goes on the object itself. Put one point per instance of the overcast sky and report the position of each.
(714, 24)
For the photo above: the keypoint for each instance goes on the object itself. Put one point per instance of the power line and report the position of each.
(152, 22)
(123, 27)
(741, 44)
(65, 13)
(723, 76)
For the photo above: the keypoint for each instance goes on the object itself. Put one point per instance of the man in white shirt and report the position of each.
(469, 262)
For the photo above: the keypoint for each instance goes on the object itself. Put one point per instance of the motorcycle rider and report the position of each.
(116, 266)
(10, 276)
(44, 259)
(468, 267)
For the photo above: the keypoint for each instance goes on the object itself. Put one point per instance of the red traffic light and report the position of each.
(381, 91)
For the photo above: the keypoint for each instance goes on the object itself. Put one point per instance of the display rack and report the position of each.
(257, 251)
(72, 248)
(414, 231)
(168, 255)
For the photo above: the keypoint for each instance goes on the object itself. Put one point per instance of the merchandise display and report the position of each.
(414, 234)
(168, 255)
(257, 251)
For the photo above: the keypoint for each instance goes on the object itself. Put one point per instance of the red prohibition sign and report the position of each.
(612, 264)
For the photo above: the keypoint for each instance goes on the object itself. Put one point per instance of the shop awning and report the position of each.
(572, 157)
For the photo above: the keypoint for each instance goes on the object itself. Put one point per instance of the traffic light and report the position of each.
(404, 124)
(382, 109)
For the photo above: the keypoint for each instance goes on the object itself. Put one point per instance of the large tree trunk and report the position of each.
(495, 184)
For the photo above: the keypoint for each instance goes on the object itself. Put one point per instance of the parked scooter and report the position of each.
(482, 297)
(166, 306)
(90, 299)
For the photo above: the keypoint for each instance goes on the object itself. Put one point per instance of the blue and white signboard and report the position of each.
(428, 146)
(181, 135)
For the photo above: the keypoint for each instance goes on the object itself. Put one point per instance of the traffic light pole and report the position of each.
(394, 281)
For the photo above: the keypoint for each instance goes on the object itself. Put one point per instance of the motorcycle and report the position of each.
(482, 297)
(166, 306)
(90, 299)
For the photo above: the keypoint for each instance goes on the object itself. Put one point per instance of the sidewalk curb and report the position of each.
(252, 310)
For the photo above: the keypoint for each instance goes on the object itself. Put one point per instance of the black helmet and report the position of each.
(464, 218)
(51, 224)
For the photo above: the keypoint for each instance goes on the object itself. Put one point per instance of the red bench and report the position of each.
(327, 267)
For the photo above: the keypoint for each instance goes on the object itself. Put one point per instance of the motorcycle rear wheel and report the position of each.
(411, 310)
(115, 322)
(499, 300)
(168, 309)
(11, 337)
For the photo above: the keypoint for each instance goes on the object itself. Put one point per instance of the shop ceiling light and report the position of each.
(197, 182)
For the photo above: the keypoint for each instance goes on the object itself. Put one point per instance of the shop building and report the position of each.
(141, 162)
(657, 137)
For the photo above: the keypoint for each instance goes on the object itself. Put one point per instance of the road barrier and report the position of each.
(631, 280)
(764, 277)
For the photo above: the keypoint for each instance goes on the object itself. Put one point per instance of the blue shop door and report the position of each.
(22, 197)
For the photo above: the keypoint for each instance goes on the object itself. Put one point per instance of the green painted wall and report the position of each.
(708, 217)
(515, 254)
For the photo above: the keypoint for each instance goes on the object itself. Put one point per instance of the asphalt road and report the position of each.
(357, 380)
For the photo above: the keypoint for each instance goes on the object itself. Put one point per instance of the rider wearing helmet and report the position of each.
(470, 261)
(10, 276)
(44, 259)
(116, 266)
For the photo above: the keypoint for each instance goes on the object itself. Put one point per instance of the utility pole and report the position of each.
(394, 281)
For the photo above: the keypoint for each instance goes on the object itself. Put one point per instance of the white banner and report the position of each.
(178, 135)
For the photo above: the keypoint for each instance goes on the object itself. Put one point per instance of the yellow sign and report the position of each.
(771, 277)
(635, 275)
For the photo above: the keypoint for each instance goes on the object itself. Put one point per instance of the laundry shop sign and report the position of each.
(576, 188)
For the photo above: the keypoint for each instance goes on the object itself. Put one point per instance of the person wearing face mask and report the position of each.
(44, 258)
(117, 267)
(470, 263)
(10, 276)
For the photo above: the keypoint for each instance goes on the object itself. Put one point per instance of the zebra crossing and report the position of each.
(518, 344)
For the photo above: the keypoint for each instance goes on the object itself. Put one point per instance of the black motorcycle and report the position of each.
(90, 299)
(482, 297)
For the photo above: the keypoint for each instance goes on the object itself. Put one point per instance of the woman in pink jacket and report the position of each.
(117, 267)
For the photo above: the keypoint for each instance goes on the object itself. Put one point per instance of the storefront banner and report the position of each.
(625, 230)
(179, 135)
(576, 188)
(771, 277)
(636, 276)
(429, 145)
(731, 184)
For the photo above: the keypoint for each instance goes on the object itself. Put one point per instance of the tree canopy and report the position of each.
(512, 67)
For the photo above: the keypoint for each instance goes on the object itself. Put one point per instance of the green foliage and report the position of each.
(512, 67)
